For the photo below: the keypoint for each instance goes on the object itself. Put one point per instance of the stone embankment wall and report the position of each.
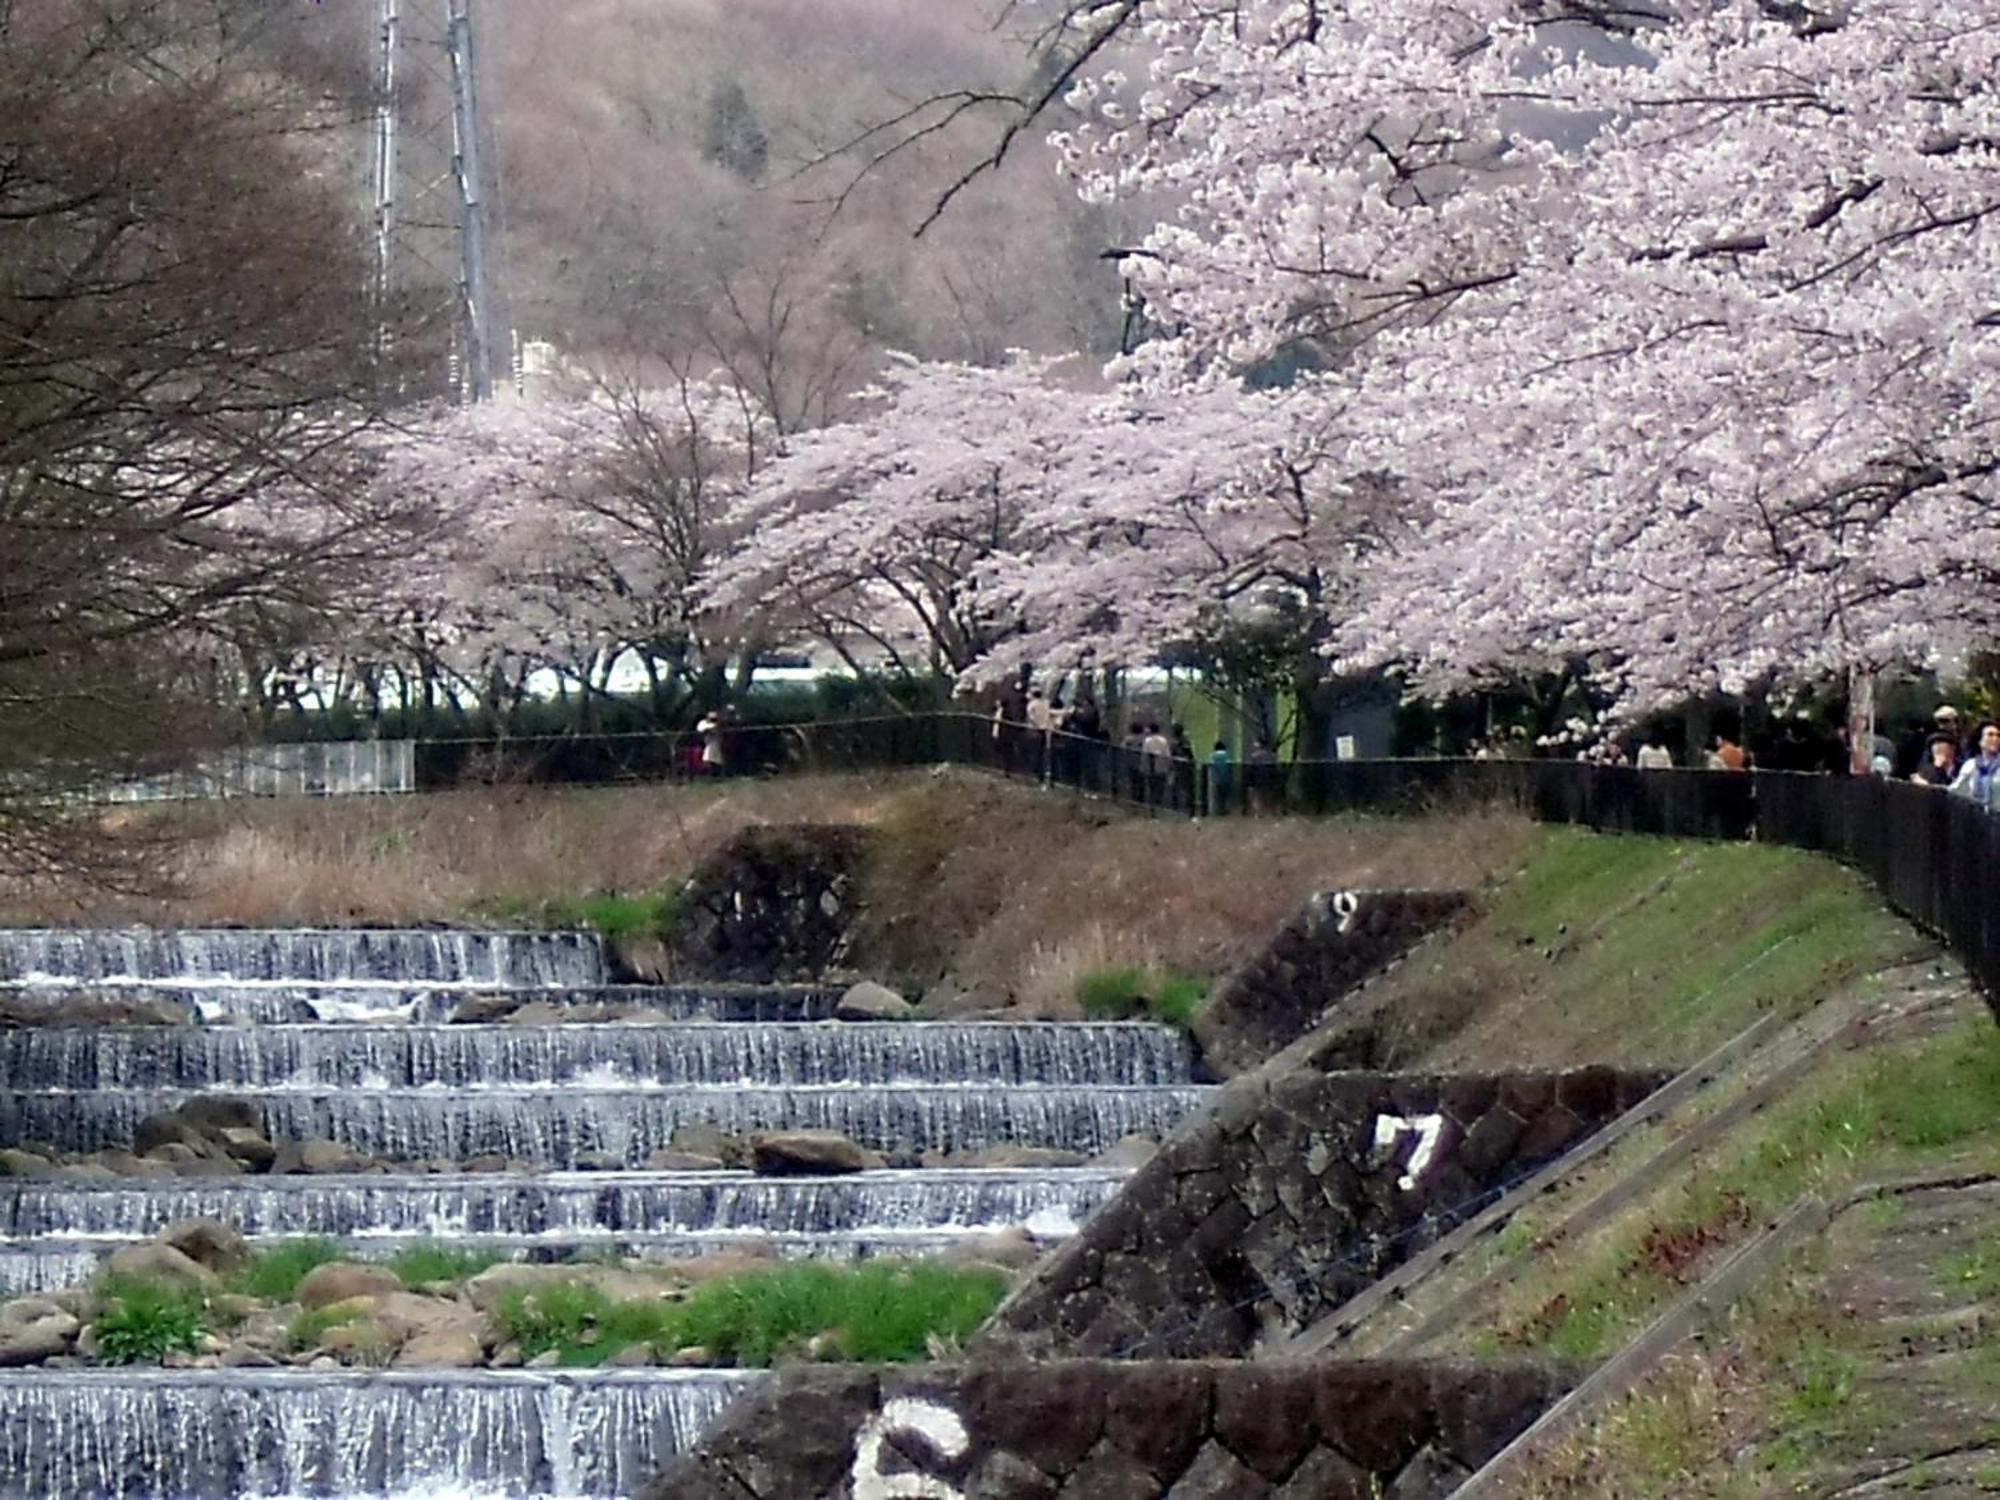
(1302, 1430)
(1316, 959)
(772, 904)
(1296, 1191)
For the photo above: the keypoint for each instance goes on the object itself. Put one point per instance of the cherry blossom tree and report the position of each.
(1008, 519)
(1683, 323)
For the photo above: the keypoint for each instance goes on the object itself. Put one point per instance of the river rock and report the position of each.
(14, 1162)
(33, 1329)
(89, 1011)
(340, 1280)
(808, 1153)
(869, 1001)
(632, 1357)
(153, 1261)
(242, 1356)
(441, 1349)
(124, 1164)
(207, 1166)
(208, 1242)
(409, 1315)
(318, 1158)
(483, 1010)
(698, 1138)
(248, 1145)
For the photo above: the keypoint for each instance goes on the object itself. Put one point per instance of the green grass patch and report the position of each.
(275, 1272)
(1634, 951)
(140, 1322)
(879, 1312)
(1975, 1272)
(1129, 993)
(431, 1263)
(1867, 1116)
(614, 914)
(309, 1327)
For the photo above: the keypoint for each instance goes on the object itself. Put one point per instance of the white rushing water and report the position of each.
(566, 1127)
(341, 1036)
(45, 956)
(233, 1435)
(625, 1056)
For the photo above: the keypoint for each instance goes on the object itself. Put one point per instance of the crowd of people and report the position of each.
(1154, 763)
(1943, 756)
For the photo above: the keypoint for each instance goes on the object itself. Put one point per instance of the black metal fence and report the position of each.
(1934, 857)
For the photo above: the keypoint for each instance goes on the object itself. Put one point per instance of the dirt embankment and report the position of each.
(1011, 891)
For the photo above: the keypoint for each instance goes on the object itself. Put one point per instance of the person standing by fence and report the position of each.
(1157, 758)
(1260, 778)
(1220, 770)
(1939, 767)
(1976, 778)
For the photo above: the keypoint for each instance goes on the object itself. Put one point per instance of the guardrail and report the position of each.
(1934, 857)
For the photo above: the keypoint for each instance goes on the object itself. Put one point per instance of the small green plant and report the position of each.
(140, 1322)
(879, 1312)
(615, 914)
(1975, 1272)
(1127, 992)
(562, 1316)
(430, 1263)
(308, 1328)
(1177, 1000)
(275, 1272)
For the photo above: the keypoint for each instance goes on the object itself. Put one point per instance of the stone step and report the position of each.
(561, 1204)
(560, 1127)
(598, 1056)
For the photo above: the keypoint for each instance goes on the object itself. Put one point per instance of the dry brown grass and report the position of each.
(444, 857)
(1014, 892)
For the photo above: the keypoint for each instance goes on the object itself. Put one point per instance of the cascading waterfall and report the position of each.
(627, 1056)
(44, 956)
(568, 1127)
(555, 1205)
(230, 1434)
(288, 1002)
(343, 1036)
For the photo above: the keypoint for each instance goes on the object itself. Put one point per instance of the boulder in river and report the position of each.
(808, 1153)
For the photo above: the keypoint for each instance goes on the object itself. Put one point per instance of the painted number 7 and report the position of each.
(1390, 1129)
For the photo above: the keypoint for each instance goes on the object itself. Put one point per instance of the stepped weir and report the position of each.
(355, 1038)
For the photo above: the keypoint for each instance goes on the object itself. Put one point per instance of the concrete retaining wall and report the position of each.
(1084, 1430)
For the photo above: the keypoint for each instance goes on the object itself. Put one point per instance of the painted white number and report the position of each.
(1346, 906)
(1427, 1128)
(937, 1425)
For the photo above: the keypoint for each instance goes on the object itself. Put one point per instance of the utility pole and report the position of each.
(434, 257)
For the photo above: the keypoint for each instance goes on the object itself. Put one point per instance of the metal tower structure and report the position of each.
(434, 273)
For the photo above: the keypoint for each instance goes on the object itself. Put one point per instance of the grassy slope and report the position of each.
(1647, 951)
(1634, 951)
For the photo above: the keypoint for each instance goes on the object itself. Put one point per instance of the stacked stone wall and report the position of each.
(1088, 1430)
(1317, 959)
(773, 904)
(1296, 1191)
